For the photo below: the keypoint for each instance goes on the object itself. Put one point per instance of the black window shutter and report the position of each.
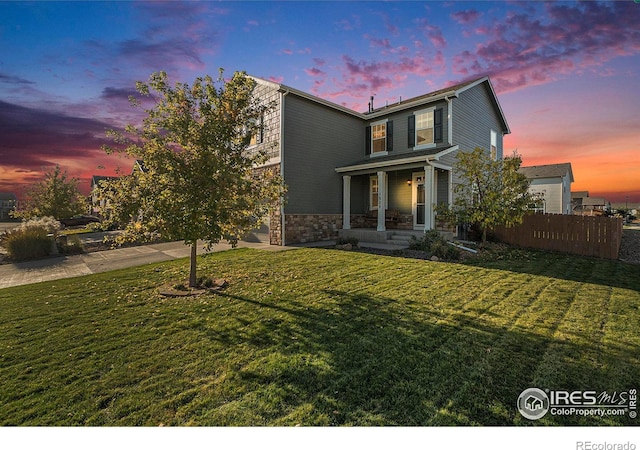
(367, 141)
(437, 125)
(390, 135)
(411, 137)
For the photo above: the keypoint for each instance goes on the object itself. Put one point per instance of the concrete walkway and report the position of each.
(56, 268)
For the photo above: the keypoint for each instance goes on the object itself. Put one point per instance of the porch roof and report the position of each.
(395, 161)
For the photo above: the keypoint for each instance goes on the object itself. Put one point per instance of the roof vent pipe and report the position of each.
(372, 103)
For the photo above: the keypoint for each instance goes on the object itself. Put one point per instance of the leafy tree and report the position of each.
(492, 192)
(199, 181)
(56, 195)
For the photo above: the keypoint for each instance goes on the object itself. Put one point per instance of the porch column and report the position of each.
(428, 197)
(346, 202)
(381, 190)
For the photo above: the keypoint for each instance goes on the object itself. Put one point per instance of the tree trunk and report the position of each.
(192, 273)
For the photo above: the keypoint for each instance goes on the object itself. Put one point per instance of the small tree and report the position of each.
(492, 192)
(199, 181)
(56, 195)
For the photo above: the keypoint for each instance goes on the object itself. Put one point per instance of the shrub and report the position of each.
(49, 224)
(27, 243)
(436, 245)
(426, 241)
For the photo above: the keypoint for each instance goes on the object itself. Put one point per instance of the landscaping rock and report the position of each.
(435, 258)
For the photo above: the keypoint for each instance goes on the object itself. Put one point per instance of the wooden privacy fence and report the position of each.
(579, 235)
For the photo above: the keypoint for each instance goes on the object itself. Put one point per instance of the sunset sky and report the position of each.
(567, 74)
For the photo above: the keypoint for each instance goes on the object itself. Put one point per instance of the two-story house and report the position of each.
(345, 169)
(552, 184)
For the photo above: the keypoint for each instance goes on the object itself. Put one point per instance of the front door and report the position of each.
(419, 204)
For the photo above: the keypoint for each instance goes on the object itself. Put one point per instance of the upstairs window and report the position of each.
(425, 128)
(379, 139)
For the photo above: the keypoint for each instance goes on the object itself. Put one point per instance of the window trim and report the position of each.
(432, 144)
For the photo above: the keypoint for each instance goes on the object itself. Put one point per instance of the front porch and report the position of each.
(389, 199)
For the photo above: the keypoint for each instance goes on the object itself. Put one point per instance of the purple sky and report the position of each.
(566, 73)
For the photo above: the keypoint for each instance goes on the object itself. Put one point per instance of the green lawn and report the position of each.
(319, 337)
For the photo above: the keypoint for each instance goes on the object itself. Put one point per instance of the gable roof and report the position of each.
(547, 171)
(594, 201)
(8, 196)
(441, 94)
(579, 194)
(95, 179)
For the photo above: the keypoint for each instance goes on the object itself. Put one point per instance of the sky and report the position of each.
(567, 74)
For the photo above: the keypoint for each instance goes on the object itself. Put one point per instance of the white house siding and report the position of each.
(551, 189)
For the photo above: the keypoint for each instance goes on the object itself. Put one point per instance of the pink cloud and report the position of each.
(314, 72)
(526, 50)
(466, 17)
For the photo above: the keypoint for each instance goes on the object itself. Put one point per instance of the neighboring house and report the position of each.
(8, 202)
(592, 206)
(97, 205)
(388, 166)
(552, 183)
(576, 200)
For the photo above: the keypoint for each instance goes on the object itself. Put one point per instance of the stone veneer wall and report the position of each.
(405, 222)
(275, 227)
(300, 228)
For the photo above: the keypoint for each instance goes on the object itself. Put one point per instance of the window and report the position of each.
(374, 192)
(494, 145)
(379, 138)
(425, 128)
(258, 136)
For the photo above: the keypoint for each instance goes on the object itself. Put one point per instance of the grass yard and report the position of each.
(320, 337)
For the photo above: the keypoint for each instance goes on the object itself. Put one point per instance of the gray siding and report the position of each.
(401, 127)
(317, 139)
(474, 116)
(442, 186)
(399, 191)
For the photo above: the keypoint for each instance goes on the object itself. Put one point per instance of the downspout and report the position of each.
(282, 218)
